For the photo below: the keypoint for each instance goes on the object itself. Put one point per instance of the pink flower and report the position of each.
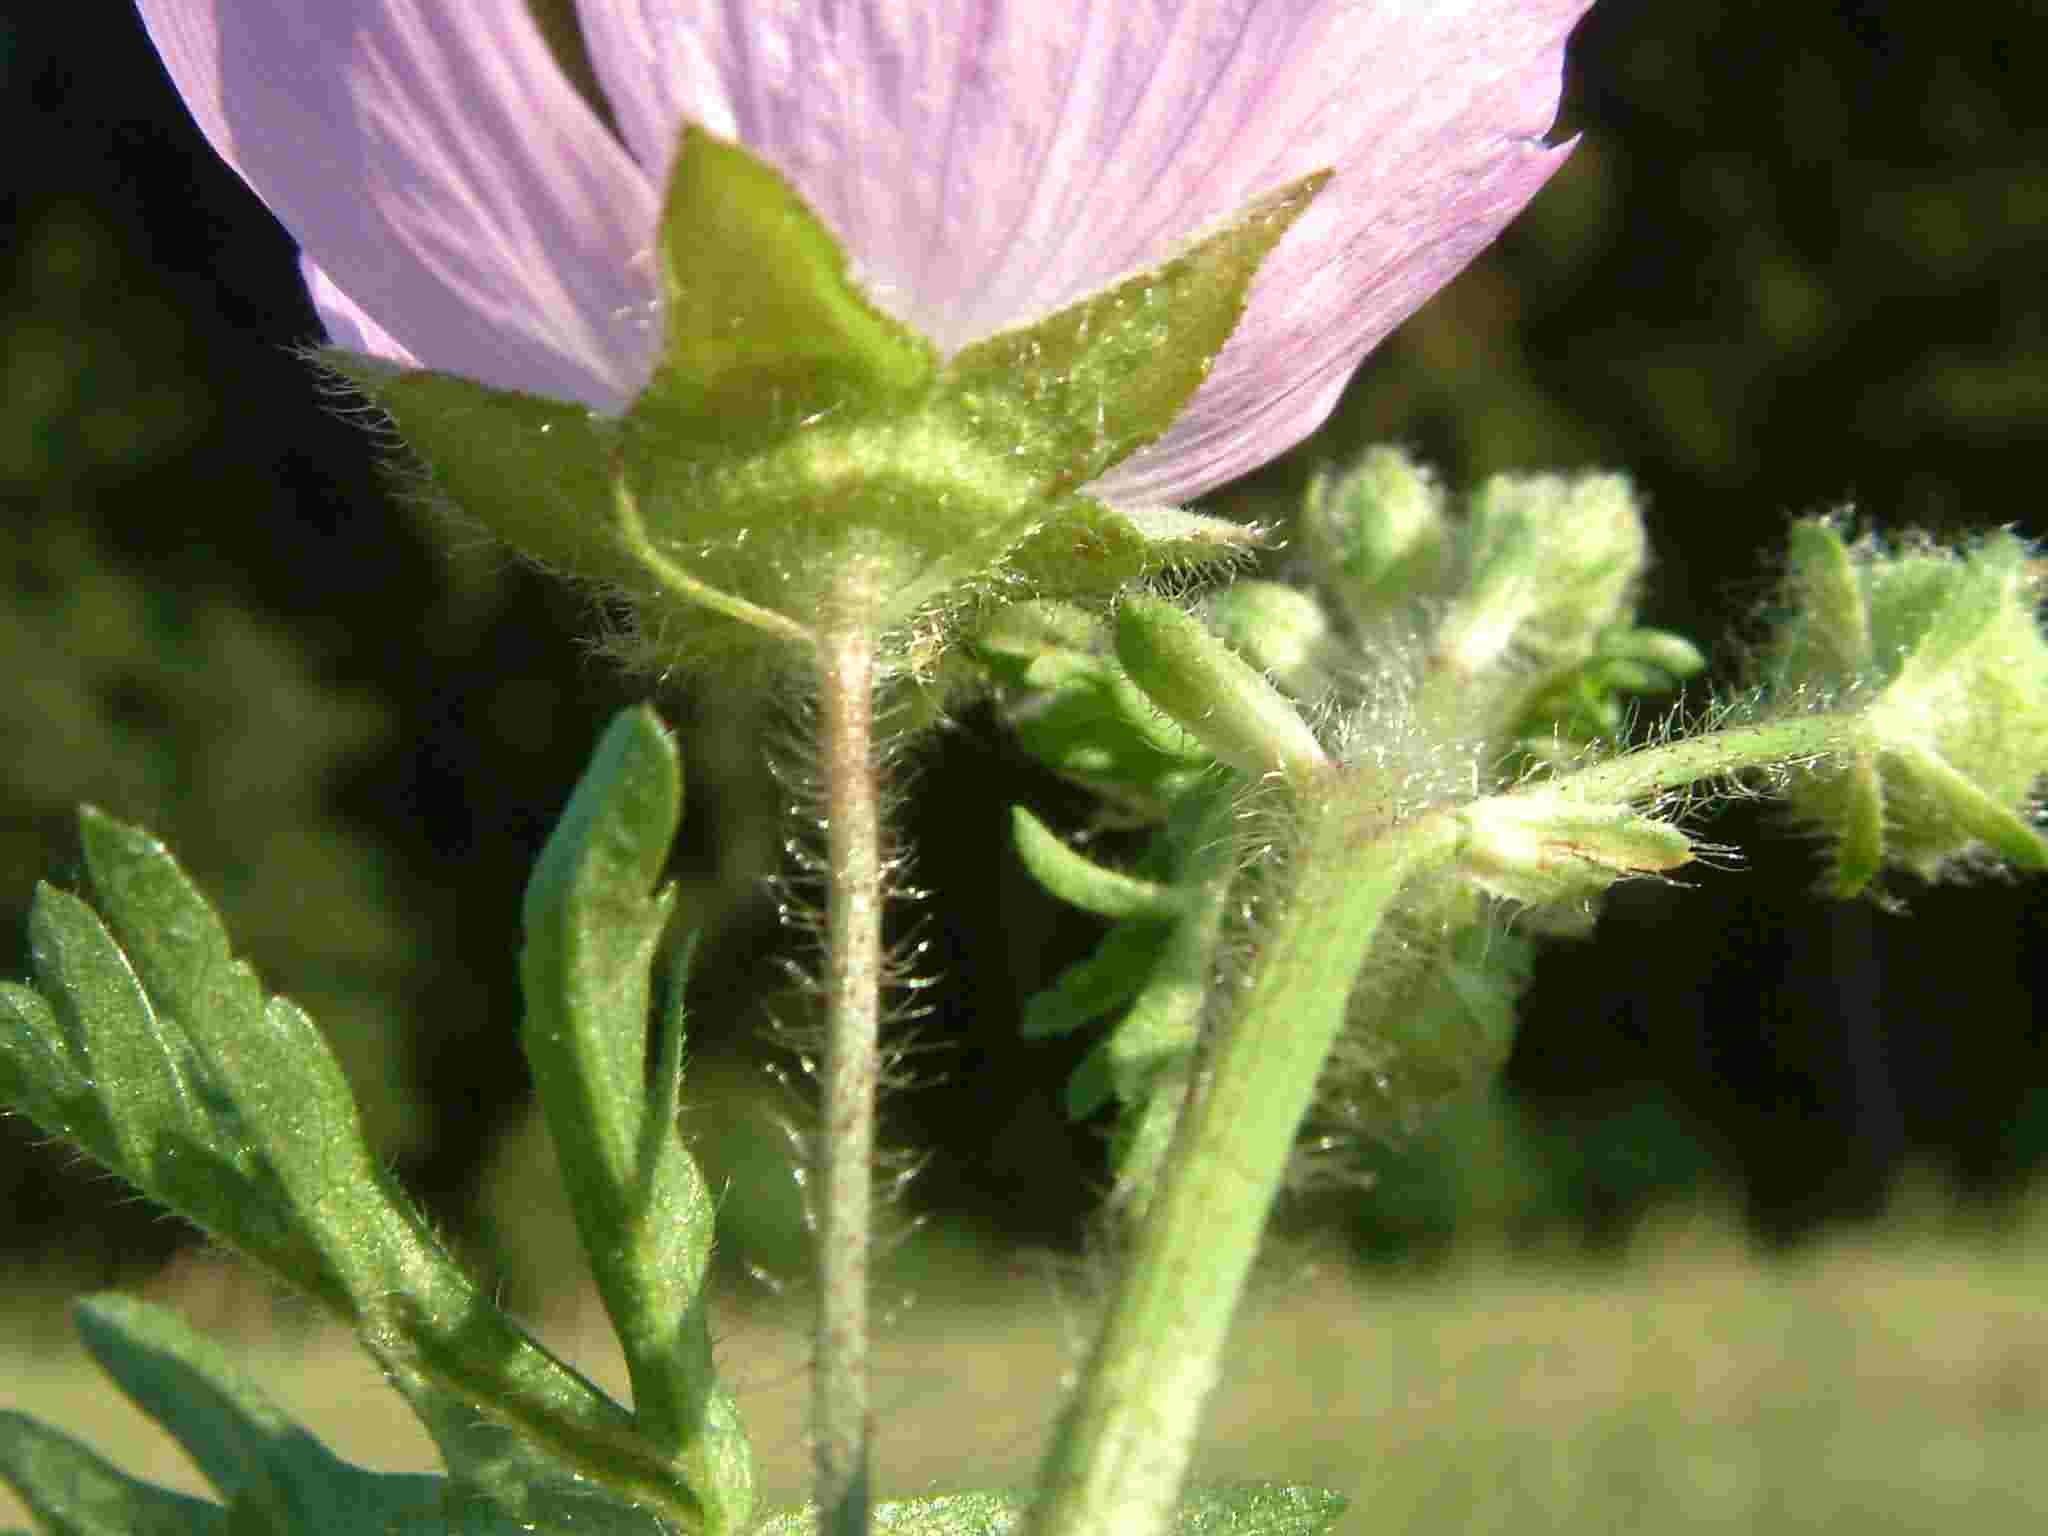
(460, 206)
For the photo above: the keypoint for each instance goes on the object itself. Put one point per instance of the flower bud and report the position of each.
(1377, 534)
(1213, 694)
(1282, 631)
(1542, 848)
(1553, 562)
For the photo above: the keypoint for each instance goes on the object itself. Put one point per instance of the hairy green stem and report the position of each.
(844, 1157)
(1121, 1453)
(1650, 771)
(1120, 1457)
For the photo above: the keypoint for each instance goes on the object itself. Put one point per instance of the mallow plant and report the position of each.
(869, 351)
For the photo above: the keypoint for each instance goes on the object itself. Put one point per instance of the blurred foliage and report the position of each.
(172, 703)
(1491, 1174)
(1795, 260)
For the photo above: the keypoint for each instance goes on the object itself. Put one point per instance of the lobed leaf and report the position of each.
(594, 924)
(71, 1491)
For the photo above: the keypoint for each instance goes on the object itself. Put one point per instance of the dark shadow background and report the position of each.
(1798, 261)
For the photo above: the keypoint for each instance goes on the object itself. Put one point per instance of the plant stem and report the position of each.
(1650, 771)
(1121, 1454)
(844, 1153)
(1122, 1450)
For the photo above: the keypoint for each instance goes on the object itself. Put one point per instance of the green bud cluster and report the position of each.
(1508, 618)
(1438, 645)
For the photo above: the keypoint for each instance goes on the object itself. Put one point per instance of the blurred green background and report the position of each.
(1796, 262)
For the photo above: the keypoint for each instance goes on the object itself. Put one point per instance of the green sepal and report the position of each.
(764, 327)
(1831, 637)
(1281, 630)
(1221, 1509)
(1080, 391)
(1658, 651)
(793, 436)
(594, 924)
(1595, 699)
(536, 472)
(1849, 801)
(1084, 548)
(1377, 535)
(1945, 795)
(843, 446)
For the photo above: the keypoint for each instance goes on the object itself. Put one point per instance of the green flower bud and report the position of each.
(1377, 534)
(1940, 652)
(1282, 631)
(1553, 562)
(1213, 694)
(1541, 847)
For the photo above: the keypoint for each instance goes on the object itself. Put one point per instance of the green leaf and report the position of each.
(274, 1476)
(286, 1116)
(594, 923)
(46, 1074)
(233, 1110)
(1074, 709)
(1155, 965)
(272, 1473)
(98, 1061)
(1107, 979)
(72, 1492)
(499, 1484)
(1082, 882)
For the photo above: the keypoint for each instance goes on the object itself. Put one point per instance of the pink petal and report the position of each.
(989, 161)
(439, 171)
(348, 327)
